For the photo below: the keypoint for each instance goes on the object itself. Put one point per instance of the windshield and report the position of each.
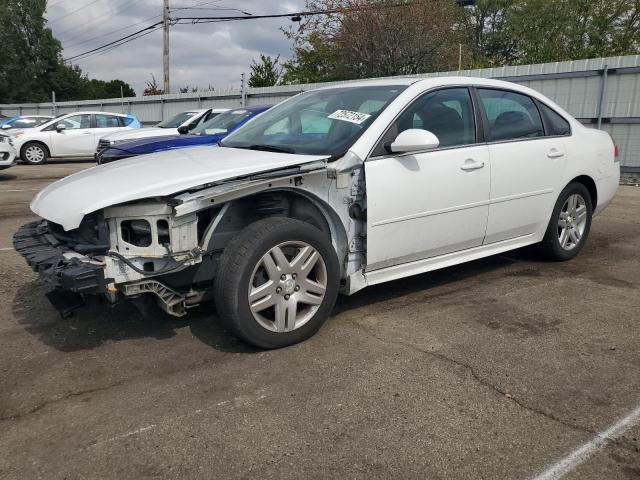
(28, 122)
(176, 121)
(321, 122)
(223, 123)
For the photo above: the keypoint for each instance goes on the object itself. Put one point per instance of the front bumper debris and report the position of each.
(68, 277)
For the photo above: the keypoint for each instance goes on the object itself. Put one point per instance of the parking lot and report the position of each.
(500, 368)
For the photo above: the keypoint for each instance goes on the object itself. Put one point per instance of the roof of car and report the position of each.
(434, 81)
(95, 112)
(253, 108)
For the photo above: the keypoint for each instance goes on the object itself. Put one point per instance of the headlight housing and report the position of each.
(150, 230)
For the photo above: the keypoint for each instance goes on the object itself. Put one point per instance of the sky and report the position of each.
(201, 55)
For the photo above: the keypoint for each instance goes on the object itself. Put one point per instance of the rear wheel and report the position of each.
(277, 282)
(570, 223)
(34, 153)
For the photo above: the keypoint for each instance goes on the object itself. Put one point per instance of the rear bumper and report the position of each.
(68, 275)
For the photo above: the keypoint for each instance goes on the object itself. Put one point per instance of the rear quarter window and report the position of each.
(556, 122)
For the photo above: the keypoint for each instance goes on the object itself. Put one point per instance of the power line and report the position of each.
(186, 20)
(198, 20)
(129, 4)
(74, 11)
(113, 31)
(55, 3)
(105, 50)
(129, 37)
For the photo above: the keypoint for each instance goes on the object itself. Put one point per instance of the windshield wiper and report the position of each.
(270, 148)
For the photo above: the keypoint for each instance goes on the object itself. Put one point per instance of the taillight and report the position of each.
(616, 149)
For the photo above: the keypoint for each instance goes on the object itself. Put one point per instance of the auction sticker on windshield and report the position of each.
(349, 116)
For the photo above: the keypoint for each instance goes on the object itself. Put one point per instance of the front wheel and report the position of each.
(277, 282)
(34, 153)
(570, 223)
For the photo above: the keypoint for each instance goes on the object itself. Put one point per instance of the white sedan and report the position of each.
(69, 135)
(181, 123)
(7, 152)
(330, 191)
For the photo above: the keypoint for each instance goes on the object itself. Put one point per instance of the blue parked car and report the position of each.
(209, 133)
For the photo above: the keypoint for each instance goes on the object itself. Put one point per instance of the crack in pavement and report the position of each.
(478, 378)
(119, 383)
(60, 398)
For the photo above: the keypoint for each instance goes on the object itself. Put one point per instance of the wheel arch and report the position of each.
(590, 185)
(289, 202)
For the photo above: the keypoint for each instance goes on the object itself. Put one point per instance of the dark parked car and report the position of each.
(209, 133)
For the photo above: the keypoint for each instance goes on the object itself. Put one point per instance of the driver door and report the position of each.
(429, 203)
(78, 138)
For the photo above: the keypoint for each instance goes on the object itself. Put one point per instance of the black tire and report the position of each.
(551, 246)
(44, 153)
(236, 269)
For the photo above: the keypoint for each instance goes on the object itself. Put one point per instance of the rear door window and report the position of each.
(511, 116)
(107, 121)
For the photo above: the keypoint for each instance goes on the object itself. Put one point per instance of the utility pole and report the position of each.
(165, 50)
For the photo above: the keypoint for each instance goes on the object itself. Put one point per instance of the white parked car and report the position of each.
(7, 152)
(69, 135)
(181, 123)
(330, 191)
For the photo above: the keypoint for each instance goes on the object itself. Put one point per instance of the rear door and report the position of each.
(526, 163)
(76, 140)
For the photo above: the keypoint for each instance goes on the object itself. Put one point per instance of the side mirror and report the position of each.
(414, 140)
(6, 126)
(60, 127)
(183, 130)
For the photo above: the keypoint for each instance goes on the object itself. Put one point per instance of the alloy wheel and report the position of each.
(572, 222)
(287, 286)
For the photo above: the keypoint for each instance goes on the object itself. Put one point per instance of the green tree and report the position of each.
(314, 60)
(537, 31)
(490, 35)
(374, 38)
(266, 73)
(31, 63)
(556, 30)
(29, 53)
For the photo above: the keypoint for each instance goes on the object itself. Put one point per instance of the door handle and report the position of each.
(555, 153)
(471, 164)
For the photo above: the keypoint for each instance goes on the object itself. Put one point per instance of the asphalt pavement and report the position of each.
(498, 369)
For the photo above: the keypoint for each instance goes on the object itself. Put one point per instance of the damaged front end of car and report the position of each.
(113, 254)
(165, 248)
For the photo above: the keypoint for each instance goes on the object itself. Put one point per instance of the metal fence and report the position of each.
(601, 93)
